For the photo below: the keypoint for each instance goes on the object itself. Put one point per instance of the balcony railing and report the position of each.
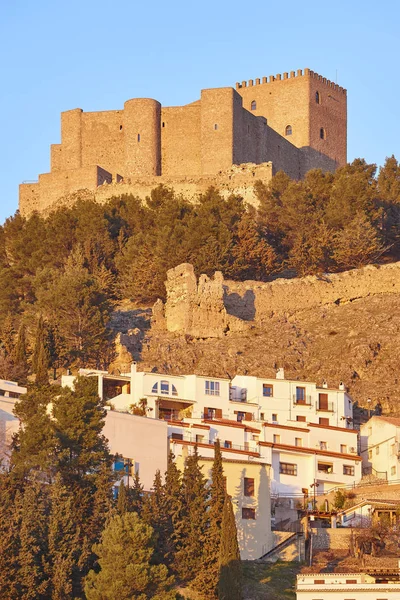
(225, 445)
(299, 401)
(325, 407)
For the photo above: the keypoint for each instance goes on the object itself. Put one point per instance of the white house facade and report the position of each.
(10, 392)
(345, 586)
(380, 447)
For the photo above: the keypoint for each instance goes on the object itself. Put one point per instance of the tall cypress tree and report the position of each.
(155, 514)
(39, 342)
(20, 358)
(136, 495)
(173, 503)
(208, 575)
(230, 575)
(33, 553)
(122, 500)
(193, 526)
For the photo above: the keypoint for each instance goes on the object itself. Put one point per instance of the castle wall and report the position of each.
(103, 140)
(217, 114)
(142, 118)
(181, 140)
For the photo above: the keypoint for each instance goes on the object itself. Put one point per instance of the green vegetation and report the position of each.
(270, 580)
(62, 274)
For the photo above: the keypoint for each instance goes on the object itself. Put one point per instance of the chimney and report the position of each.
(325, 384)
(133, 368)
(342, 386)
(280, 374)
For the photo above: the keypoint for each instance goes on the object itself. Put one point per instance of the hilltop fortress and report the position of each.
(229, 138)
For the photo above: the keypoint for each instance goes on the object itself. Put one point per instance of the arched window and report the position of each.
(174, 390)
(154, 389)
(253, 105)
(322, 133)
(288, 130)
(317, 98)
(165, 387)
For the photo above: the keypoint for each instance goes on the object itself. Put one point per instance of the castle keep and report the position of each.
(229, 138)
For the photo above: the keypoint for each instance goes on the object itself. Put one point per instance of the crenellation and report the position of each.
(145, 144)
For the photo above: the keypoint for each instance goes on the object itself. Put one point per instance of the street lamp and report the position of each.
(314, 486)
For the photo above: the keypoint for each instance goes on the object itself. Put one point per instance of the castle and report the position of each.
(229, 138)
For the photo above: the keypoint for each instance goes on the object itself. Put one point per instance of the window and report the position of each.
(240, 416)
(262, 417)
(177, 436)
(323, 445)
(324, 421)
(253, 105)
(393, 449)
(343, 448)
(351, 581)
(300, 418)
(154, 389)
(248, 486)
(212, 388)
(348, 470)
(298, 442)
(165, 387)
(325, 467)
(227, 444)
(393, 470)
(317, 98)
(322, 133)
(287, 468)
(300, 395)
(369, 453)
(319, 581)
(120, 127)
(248, 513)
(275, 417)
(268, 390)
(288, 130)
(212, 413)
(199, 438)
(277, 439)
(138, 137)
(163, 124)
(215, 126)
(377, 450)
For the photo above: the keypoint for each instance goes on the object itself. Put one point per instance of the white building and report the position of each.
(346, 586)
(380, 447)
(10, 392)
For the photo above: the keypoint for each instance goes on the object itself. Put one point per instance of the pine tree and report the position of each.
(230, 575)
(7, 335)
(124, 557)
(208, 574)
(155, 514)
(192, 533)
(33, 552)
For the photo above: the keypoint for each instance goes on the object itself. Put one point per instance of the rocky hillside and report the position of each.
(356, 340)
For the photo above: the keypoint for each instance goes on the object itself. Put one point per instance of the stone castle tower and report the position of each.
(228, 138)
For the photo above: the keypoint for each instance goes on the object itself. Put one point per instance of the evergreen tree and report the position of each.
(173, 503)
(39, 342)
(136, 495)
(7, 335)
(20, 358)
(78, 423)
(192, 533)
(9, 537)
(122, 500)
(42, 364)
(230, 575)
(33, 552)
(155, 514)
(124, 557)
(208, 574)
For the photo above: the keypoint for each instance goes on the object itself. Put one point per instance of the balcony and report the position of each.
(225, 445)
(302, 400)
(325, 407)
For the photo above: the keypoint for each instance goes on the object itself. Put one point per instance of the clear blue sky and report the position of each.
(57, 56)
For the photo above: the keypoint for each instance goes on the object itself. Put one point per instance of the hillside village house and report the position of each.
(347, 586)
(304, 432)
(380, 447)
(10, 392)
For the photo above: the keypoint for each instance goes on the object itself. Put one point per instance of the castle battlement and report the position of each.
(291, 123)
(291, 75)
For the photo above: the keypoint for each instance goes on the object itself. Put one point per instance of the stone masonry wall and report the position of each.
(213, 307)
(331, 539)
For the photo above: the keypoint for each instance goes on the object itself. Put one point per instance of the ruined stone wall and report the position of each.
(331, 539)
(216, 306)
